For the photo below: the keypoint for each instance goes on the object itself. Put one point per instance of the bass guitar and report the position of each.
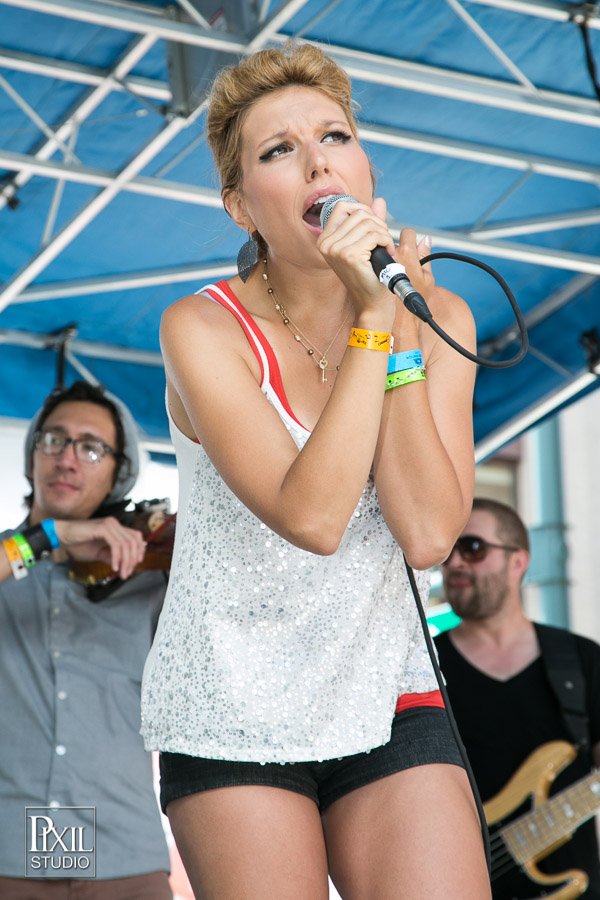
(520, 844)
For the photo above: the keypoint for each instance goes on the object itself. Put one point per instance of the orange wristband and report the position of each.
(15, 559)
(370, 340)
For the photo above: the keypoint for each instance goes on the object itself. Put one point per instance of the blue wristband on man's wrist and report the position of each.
(50, 529)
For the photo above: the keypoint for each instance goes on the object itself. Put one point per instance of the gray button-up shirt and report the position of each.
(70, 674)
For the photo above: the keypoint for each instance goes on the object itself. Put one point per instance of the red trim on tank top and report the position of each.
(244, 318)
(430, 698)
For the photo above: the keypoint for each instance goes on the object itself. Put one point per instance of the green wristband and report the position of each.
(406, 376)
(25, 550)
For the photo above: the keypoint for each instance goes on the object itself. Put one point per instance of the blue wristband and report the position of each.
(48, 526)
(408, 359)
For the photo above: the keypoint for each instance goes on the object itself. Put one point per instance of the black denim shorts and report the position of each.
(420, 736)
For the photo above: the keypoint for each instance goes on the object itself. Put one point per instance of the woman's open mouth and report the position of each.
(312, 216)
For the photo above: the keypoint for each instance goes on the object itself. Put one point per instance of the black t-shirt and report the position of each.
(502, 722)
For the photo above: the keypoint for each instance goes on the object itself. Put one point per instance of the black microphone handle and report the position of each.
(397, 282)
(380, 258)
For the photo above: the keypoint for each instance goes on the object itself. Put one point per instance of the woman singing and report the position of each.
(289, 688)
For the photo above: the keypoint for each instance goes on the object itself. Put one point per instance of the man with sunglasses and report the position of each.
(508, 680)
(78, 813)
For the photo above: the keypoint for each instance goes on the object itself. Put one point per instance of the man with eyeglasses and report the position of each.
(516, 686)
(78, 812)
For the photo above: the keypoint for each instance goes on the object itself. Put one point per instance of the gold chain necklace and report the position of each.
(320, 358)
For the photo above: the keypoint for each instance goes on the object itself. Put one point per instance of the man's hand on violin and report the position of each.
(102, 540)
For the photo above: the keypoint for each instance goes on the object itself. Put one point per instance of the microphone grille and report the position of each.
(329, 204)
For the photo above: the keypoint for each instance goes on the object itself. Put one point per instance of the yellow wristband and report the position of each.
(12, 551)
(370, 340)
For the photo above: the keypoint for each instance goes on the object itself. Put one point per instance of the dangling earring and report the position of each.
(247, 258)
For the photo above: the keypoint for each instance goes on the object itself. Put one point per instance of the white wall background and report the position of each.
(579, 429)
(580, 443)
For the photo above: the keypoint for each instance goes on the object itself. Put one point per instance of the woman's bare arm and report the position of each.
(307, 497)
(424, 463)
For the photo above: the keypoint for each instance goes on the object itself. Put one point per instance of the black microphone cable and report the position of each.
(420, 309)
(453, 726)
(392, 275)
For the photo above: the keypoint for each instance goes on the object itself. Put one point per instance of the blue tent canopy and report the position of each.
(482, 120)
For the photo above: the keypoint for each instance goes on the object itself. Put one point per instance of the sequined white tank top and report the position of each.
(265, 652)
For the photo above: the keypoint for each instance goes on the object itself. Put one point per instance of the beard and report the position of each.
(482, 598)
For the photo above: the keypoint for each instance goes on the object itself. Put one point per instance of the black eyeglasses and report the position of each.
(87, 450)
(474, 549)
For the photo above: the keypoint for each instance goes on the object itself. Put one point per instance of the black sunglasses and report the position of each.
(474, 549)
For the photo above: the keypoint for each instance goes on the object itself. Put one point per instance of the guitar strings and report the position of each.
(501, 858)
(503, 869)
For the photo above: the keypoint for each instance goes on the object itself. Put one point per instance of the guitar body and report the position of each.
(528, 789)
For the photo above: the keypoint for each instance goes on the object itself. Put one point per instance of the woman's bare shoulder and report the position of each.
(198, 334)
(198, 316)
(194, 309)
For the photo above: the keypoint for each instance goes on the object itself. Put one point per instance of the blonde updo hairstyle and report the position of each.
(237, 88)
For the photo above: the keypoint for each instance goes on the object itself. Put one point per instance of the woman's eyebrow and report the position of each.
(274, 137)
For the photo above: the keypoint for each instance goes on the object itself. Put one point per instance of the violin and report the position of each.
(157, 524)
